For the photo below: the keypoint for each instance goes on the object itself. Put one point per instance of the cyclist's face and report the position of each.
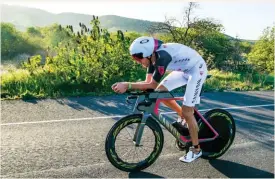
(144, 62)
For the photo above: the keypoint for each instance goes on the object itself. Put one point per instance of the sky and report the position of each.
(243, 18)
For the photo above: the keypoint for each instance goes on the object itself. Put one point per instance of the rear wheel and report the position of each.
(224, 124)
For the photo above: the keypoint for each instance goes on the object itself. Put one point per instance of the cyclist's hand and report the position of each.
(113, 86)
(120, 87)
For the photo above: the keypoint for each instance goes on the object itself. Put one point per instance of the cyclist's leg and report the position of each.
(197, 76)
(174, 80)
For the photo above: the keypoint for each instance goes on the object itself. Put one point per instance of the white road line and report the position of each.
(236, 107)
(108, 117)
(108, 164)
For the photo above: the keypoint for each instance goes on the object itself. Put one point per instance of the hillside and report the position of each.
(23, 17)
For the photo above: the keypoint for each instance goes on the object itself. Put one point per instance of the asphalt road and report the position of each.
(65, 138)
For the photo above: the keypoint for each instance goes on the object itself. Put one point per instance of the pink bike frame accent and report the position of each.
(207, 123)
(196, 111)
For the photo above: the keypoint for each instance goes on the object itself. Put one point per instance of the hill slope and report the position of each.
(23, 17)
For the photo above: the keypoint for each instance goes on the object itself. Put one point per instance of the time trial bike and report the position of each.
(135, 141)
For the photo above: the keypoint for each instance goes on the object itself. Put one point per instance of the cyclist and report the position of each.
(188, 68)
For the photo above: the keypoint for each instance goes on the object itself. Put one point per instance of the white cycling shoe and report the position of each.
(190, 156)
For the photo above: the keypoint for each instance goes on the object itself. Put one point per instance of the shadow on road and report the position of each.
(236, 170)
(33, 101)
(143, 175)
(116, 104)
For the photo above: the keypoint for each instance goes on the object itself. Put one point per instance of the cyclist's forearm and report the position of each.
(141, 82)
(147, 80)
(143, 85)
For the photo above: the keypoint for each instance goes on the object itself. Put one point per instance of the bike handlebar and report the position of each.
(135, 94)
(138, 93)
(146, 92)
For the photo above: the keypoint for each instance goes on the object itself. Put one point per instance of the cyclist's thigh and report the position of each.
(174, 80)
(195, 81)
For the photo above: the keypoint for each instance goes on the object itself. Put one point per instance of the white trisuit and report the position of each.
(187, 67)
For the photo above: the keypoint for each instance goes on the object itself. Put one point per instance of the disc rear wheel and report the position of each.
(224, 124)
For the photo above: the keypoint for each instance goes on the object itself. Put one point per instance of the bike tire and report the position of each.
(223, 122)
(110, 148)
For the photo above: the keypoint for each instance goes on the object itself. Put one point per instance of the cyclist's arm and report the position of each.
(148, 79)
(149, 75)
(145, 85)
(150, 71)
(163, 59)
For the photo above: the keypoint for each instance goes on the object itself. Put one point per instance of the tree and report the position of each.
(179, 33)
(206, 36)
(33, 31)
(262, 53)
(13, 43)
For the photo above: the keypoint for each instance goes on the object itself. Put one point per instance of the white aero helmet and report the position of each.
(144, 47)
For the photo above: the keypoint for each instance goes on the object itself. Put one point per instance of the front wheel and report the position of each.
(120, 147)
(224, 124)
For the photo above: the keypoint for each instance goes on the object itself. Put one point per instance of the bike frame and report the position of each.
(151, 109)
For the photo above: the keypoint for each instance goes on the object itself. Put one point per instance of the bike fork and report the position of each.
(139, 130)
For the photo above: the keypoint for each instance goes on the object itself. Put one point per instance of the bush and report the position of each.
(13, 43)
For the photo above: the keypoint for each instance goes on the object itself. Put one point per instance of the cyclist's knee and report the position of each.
(161, 88)
(187, 111)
